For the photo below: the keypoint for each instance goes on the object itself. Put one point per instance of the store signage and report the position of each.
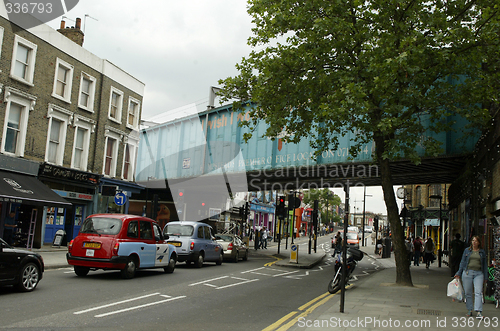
(74, 195)
(49, 170)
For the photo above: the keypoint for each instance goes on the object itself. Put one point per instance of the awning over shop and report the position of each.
(26, 189)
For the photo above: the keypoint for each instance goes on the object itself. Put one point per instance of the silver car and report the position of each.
(234, 247)
(194, 242)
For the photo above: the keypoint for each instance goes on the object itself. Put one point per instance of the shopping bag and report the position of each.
(455, 290)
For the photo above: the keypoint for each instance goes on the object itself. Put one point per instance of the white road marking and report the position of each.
(248, 281)
(208, 280)
(244, 272)
(286, 273)
(137, 307)
(114, 304)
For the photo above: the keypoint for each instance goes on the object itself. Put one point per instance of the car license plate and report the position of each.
(90, 252)
(176, 244)
(92, 245)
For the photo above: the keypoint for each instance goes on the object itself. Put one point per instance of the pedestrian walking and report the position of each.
(428, 252)
(379, 246)
(474, 272)
(457, 247)
(338, 242)
(417, 250)
(263, 238)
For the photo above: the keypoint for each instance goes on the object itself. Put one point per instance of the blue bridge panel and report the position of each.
(212, 141)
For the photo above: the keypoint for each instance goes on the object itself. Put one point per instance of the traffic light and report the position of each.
(241, 212)
(375, 222)
(280, 207)
(315, 213)
(180, 195)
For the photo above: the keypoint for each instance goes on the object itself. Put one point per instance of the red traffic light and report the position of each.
(203, 204)
(181, 194)
(282, 200)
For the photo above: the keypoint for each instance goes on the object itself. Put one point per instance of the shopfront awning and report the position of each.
(27, 189)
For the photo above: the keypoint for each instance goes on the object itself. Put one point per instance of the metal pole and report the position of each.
(364, 204)
(293, 218)
(344, 249)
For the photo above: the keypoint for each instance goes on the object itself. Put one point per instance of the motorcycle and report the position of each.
(354, 255)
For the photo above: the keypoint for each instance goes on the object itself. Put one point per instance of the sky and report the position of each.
(179, 50)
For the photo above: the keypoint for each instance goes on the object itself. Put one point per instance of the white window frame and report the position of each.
(135, 125)
(27, 101)
(69, 80)
(88, 125)
(119, 107)
(114, 161)
(31, 60)
(133, 148)
(65, 116)
(93, 80)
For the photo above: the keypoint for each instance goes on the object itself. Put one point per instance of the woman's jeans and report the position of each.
(470, 279)
(416, 258)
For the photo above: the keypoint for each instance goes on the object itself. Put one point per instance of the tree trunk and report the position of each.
(403, 275)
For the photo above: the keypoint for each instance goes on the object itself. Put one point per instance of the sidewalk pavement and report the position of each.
(377, 303)
(371, 303)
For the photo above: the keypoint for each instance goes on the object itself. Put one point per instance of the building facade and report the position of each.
(72, 113)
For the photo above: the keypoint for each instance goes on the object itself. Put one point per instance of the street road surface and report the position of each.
(233, 296)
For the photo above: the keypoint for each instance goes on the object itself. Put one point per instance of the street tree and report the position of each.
(388, 70)
(326, 200)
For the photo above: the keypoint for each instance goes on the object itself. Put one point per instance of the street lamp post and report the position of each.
(364, 204)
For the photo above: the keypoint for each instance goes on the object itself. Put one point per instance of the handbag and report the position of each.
(455, 290)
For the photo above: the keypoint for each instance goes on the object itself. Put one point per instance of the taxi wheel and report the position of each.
(129, 271)
(219, 261)
(171, 266)
(199, 261)
(237, 257)
(245, 258)
(81, 271)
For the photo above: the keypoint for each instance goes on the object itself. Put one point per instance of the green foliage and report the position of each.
(325, 198)
(387, 70)
(379, 68)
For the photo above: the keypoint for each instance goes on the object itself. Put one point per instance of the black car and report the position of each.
(20, 268)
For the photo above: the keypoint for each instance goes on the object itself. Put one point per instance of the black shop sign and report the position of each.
(49, 170)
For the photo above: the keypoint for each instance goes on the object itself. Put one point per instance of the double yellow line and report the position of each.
(271, 263)
(303, 311)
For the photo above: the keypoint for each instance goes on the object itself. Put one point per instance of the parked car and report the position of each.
(120, 242)
(194, 242)
(234, 248)
(23, 269)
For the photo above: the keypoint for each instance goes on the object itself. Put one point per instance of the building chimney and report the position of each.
(74, 33)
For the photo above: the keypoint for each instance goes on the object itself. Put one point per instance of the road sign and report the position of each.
(120, 198)
(294, 253)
